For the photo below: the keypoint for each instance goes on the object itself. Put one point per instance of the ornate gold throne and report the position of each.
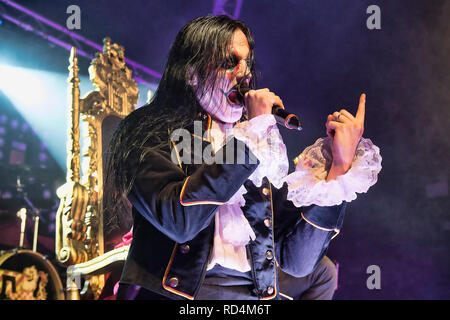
(80, 238)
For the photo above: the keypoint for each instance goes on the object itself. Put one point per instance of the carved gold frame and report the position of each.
(79, 239)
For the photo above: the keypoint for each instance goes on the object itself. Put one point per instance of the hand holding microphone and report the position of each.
(263, 101)
(260, 102)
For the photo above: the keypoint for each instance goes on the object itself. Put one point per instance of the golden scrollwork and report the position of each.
(79, 229)
(70, 226)
(113, 79)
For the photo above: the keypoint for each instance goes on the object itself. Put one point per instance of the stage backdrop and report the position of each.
(319, 56)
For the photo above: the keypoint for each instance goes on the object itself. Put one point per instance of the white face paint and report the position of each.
(216, 103)
(218, 106)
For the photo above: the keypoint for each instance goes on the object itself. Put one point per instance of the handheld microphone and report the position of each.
(283, 117)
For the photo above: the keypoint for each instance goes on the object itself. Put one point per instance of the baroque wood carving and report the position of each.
(79, 220)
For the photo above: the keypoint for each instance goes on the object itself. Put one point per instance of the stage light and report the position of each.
(7, 195)
(14, 124)
(20, 146)
(41, 97)
(46, 194)
(25, 127)
(42, 157)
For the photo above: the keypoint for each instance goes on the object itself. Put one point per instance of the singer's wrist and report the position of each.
(337, 170)
(255, 114)
(262, 118)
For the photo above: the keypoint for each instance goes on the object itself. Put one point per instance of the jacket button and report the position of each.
(268, 222)
(269, 290)
(173, 282)
(265, 191)
(269, 255)
(184, 248)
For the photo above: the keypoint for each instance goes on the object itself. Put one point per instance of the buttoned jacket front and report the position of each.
(174, 205)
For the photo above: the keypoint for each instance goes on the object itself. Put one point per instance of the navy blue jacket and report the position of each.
(173, 211)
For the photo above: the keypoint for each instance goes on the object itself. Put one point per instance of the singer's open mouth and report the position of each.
(233, 98)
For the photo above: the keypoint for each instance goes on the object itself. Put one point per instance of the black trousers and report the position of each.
(319, 285)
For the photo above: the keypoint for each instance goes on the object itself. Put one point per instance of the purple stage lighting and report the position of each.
(72, 35)
(42, 157)
(14, 124)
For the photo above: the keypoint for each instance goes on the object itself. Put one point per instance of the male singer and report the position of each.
(221, 229)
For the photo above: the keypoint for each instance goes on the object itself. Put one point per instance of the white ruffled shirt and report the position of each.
(306, 185)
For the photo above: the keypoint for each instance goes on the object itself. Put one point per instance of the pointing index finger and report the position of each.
(361, 108)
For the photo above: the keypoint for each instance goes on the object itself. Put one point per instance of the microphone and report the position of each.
(283, 117)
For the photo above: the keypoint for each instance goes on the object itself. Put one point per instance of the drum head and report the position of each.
(28, 275)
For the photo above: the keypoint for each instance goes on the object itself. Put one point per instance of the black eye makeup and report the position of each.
(232, 62)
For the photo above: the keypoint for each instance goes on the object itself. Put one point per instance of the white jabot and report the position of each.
(232, 230)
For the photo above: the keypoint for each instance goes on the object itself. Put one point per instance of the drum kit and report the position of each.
(27, 274)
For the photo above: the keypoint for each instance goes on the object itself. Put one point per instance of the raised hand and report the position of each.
(345, 131)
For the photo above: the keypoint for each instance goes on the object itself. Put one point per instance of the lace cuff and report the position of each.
(307, 184)
(262, 137)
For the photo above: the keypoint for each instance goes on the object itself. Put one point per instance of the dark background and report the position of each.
(319, 56)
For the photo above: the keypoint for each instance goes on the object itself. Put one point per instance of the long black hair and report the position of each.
(198, 51)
